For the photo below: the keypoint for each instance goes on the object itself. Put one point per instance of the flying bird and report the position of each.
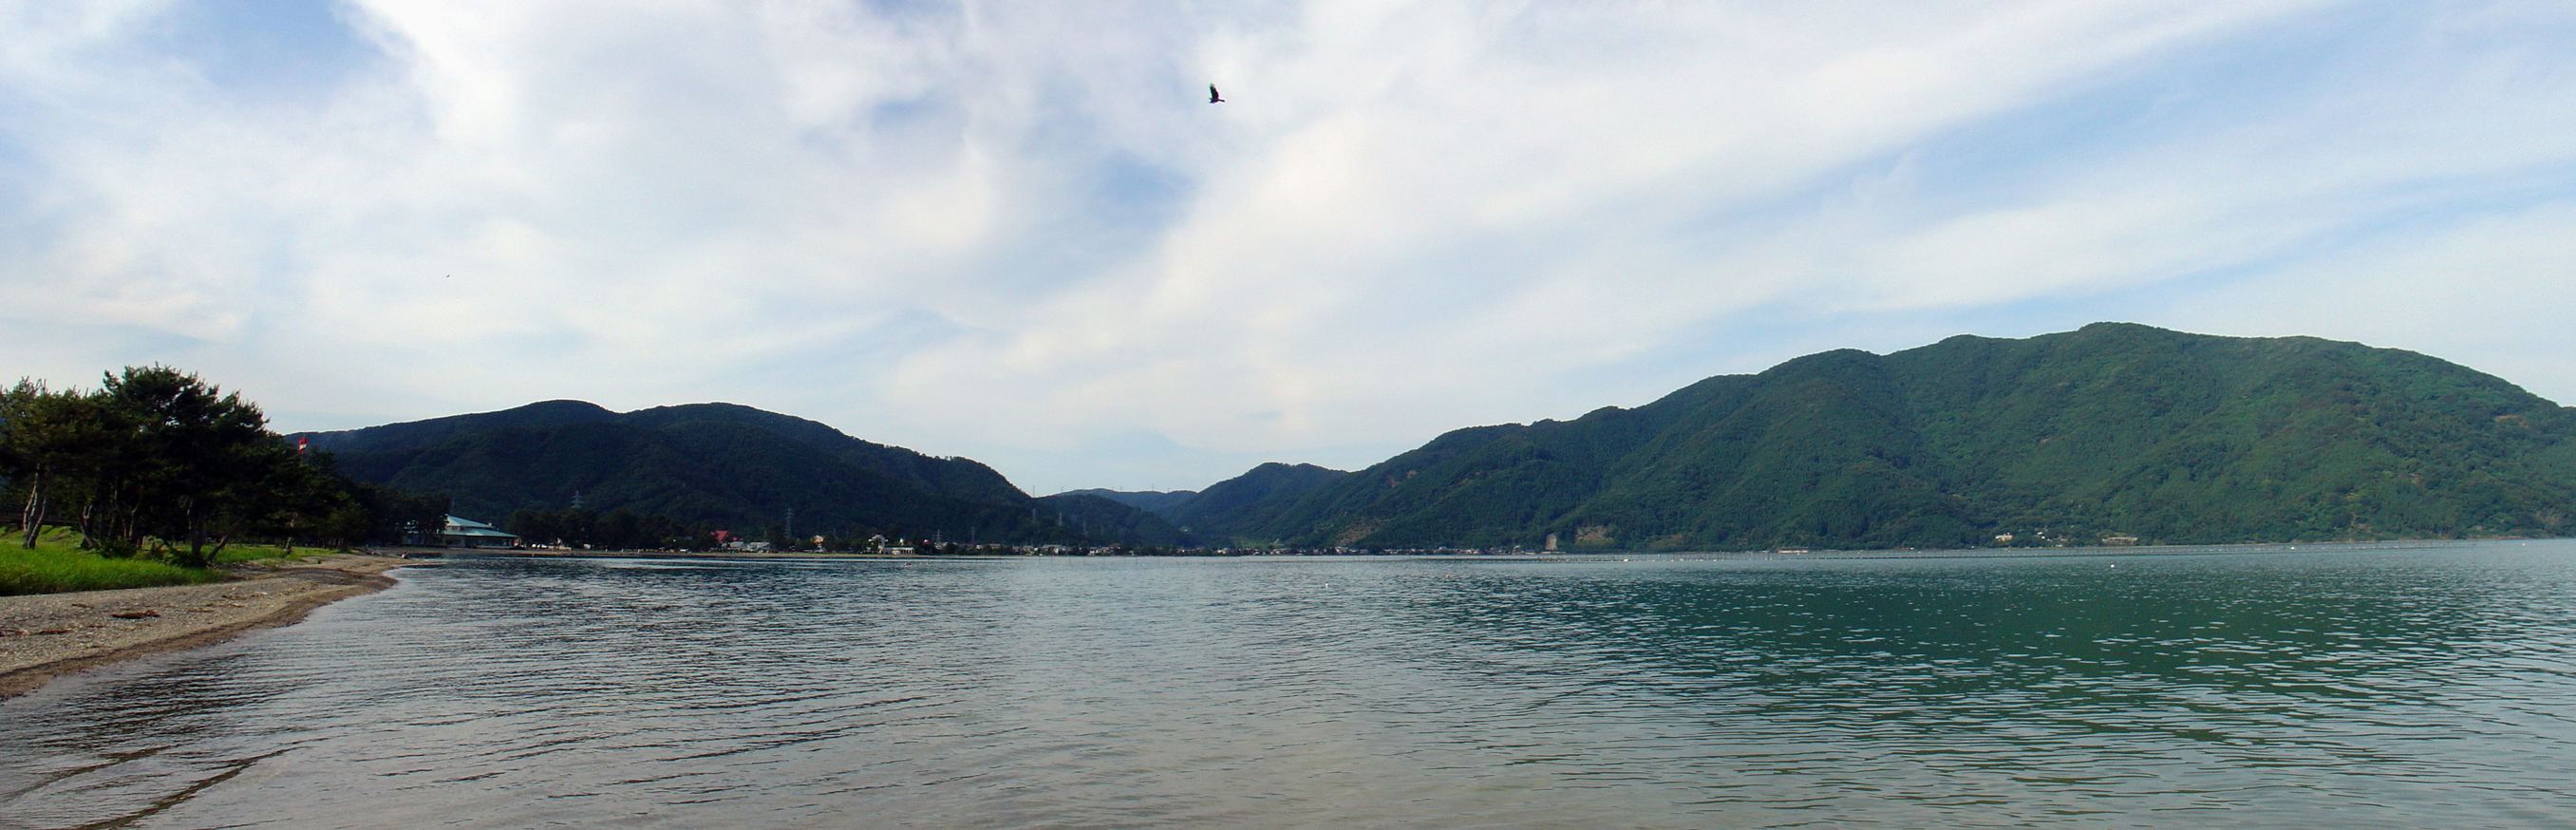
(1212, 96)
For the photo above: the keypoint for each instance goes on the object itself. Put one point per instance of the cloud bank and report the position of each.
(1016, 231)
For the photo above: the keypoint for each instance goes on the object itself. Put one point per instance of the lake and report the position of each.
(2396, 686)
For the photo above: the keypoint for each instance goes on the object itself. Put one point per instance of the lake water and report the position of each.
(2352, 687)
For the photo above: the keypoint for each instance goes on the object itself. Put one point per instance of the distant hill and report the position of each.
(414, 434)
(1228, 509)
(735, 466)
(1215, 515)
(2116, 432)
(1102, 518)
(1150, 500)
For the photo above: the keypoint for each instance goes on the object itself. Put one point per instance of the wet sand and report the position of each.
(44, 636)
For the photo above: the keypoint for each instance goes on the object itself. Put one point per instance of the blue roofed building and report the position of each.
(468, 533)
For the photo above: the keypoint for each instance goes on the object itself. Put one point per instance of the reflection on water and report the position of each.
(2363, 687)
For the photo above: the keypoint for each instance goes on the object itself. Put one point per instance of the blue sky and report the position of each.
(1015, 231)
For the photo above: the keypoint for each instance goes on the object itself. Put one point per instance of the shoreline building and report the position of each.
(467, 533)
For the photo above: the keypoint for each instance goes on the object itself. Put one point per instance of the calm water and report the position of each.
(2413, 687)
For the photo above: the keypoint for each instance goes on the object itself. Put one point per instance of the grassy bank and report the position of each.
(58, 564)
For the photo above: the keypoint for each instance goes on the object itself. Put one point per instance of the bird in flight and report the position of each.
(1212, 96)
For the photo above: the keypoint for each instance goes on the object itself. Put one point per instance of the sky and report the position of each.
(1018, 232)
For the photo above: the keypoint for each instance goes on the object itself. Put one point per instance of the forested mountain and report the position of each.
(1227, 508)
(733, 466)
(416, 434)
(2116, 431)
(1150, 500)
(1103, 518)
(1230, 507)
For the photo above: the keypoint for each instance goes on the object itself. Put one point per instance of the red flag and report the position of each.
(299, 446)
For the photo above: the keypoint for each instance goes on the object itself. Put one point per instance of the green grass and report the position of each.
(57, 564)
(240, 553)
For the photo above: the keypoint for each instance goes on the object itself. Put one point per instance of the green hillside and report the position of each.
(1226, 509)
(418, 434)
(2114, 431)
(1154, 501)
(1096, 517)
(730, 466)
(1221, 514)
(958, 477)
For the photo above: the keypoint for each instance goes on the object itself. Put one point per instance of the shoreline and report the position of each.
(46, 636)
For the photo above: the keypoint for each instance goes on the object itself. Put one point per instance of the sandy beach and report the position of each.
(44, 636)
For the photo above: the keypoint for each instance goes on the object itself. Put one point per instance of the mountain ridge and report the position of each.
(2114, 431)
(726, 464)
(1222, 509)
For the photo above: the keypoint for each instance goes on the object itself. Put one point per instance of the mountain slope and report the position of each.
(732, 466)
(417, 434)
(2114, 430)
(1218, 514)
(1225, 509)
(1149, 500)
(1099, 517)
(958, 477)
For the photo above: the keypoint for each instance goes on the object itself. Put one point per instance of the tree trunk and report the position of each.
(196, 526)
(220, 542)
(225, 539)
(32, 519)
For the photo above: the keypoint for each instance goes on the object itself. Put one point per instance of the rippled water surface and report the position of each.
(2400, 687)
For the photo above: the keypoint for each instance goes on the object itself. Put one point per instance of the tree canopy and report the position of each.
(157, 461)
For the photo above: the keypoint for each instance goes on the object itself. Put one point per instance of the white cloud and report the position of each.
(1445, 215)
(1013, 231)
(2490, 292)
